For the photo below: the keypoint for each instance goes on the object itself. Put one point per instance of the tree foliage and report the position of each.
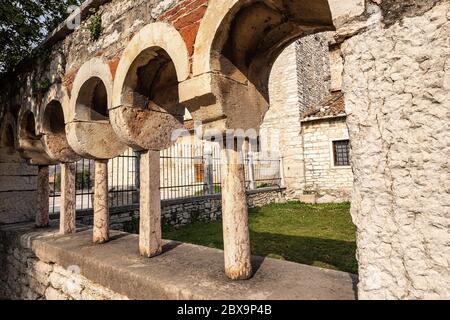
(24, 24)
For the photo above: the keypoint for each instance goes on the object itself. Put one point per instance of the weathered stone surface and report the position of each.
(397, 92)
(57, 147)
(146, 129)
(396, 83)
(24, 276)
(236, 235)
(101, 204)
(92, 140)
(68, 199)
(188, 272)
(43, 196)
(150, 234)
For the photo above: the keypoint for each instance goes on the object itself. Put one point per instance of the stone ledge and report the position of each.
(183, 271)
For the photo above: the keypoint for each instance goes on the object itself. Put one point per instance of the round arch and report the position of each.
(30, 145)
(93, 73)
(146, 88)
(216, 24)
(89, 131)
(8, 132)
(156, 35)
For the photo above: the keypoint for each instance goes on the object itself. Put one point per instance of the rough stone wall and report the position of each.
(25, 277)
(18, 184)
(328, 182)
(396, 85)
(314, 75)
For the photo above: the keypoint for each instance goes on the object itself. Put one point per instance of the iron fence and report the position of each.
(186, 171)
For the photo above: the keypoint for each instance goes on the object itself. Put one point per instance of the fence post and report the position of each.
(137, 176)
(251, 170)
(209, 179)
(282, 178)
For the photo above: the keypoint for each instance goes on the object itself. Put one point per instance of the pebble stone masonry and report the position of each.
(214, 57)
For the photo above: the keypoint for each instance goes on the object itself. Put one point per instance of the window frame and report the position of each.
(334, 154)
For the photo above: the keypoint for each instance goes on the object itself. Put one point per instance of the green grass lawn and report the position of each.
(317, 235)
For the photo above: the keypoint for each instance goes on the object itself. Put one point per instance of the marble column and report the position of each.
(43, 193)
(68, 199)
(236, 235)
(150, 234)
(101, 203)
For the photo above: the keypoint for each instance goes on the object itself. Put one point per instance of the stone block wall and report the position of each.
(18, 184)
(23, 276)
(322, 177)
(397, 90)
(182, 212)
(285, 140)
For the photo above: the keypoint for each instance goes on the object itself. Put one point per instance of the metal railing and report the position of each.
(186, 171)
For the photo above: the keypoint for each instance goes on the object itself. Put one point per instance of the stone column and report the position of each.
(68, 199)
(43, 193)
(236, 237)
(251, 170)
(150, 234)
(282, 178)
(101, 203)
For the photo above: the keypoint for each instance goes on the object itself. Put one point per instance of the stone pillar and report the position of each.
(68, 199)
(282, 179)
(251, 170)
(236, 237)
(101, 203)
(150, 234)
(43, 193)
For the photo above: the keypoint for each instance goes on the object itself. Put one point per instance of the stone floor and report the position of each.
(183, 271)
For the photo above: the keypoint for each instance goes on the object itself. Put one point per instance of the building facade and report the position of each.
(306, 121)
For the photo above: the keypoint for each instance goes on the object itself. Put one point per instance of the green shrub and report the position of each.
(95, 28)
(42, 86)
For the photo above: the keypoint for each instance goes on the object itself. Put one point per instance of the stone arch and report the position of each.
(30, 145)
(145, 44)
(53, 118)
(146, 106)
(89, 131)
(56, 94)
(237, 44)
(8, 134)
(257, 17)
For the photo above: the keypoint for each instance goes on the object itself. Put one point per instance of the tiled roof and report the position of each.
(332, 106)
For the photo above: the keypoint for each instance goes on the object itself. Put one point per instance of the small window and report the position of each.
(341, 152)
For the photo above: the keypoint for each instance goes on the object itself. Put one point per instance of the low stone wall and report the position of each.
(40, 264)
(182, 212)
(24, 276)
